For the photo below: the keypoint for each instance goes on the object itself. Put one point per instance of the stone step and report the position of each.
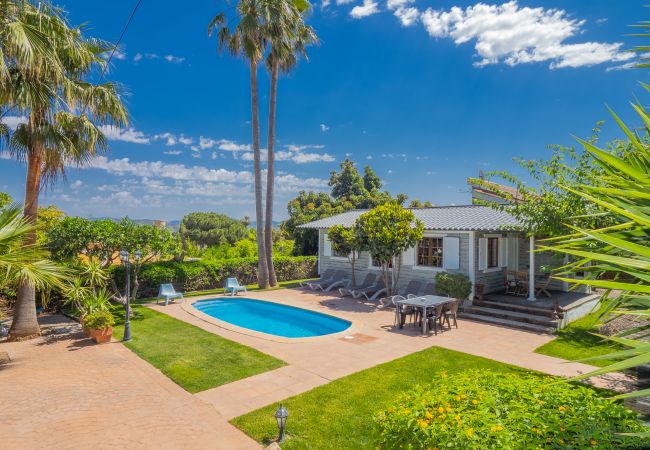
(511, 315)
(535, 310)
(508, 323)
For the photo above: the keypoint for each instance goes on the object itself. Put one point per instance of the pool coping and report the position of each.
(187, 306)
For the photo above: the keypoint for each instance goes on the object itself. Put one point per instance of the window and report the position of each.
(377, 264)
(339, 254)
(430, 252)
(493, 252)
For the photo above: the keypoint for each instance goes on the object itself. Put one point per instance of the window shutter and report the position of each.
(482, 253)
(408, 257)
(451, 253)
(512, 252)
(327, 246)
(503, 252)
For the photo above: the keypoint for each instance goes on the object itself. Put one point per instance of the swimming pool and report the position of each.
(271, 318)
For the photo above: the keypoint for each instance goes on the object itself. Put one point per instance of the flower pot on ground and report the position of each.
(100, 326)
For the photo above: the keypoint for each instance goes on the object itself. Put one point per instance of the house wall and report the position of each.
(409, 271)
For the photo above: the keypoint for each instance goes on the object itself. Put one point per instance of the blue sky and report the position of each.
(426, 92)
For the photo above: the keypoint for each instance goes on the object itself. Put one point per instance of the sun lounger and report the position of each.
(340, 278)
(167, 292)
(327, 275)
(367, 282)
(371, 292)
(232, 286)
(429, 289)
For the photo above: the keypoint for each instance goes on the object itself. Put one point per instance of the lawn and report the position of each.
(339, 415)
(193, 358)
(578, 341)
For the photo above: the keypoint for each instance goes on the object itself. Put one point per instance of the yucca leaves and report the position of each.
(622, 250)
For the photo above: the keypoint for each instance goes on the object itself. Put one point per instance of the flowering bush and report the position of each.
(489, 410)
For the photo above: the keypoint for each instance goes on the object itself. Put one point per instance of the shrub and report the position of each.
(481, 409)
(456, 285)
(211, 274)
(99, 320)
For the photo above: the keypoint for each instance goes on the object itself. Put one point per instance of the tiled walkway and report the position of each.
(62, 392)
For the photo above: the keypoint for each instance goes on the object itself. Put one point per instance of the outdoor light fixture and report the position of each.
(137, 255)
(281, 417)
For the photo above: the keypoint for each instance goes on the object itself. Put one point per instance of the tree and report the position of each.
(102, 240)
(386, 232)
(48, 217)
(288, 39)
(371, 181)
(61, 109)
(207, 229)
(258, 20)
(24, 264)
(418, 204)
(5, 199)
(549, 205)
(348, 242)
(347, 183)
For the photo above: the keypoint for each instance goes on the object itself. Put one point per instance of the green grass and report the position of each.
(193, 358)
(578, 341)
(339, 415)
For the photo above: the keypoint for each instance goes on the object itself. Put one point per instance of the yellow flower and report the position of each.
(474, 402)
(541, 402)
(470, 432)
(562, 429)
(428, 415)
(441, 410)
(594, 442)
(458, 398)
(493, 429)
(499, 428)
(457, 417)
(562, 408)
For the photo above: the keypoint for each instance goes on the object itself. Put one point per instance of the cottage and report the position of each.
(485, 244)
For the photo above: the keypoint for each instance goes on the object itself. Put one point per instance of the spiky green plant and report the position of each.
(622, 250)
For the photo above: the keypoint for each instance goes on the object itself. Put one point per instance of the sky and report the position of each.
(426, 92)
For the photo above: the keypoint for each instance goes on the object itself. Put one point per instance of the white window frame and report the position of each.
(498, 267)
(417, 266)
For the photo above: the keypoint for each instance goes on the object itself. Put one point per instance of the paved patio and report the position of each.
(64, 392)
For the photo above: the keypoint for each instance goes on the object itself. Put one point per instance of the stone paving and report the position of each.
(60, 391)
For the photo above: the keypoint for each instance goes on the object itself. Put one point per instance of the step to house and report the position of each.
(516, 316)
(535, 310)
(507, 323)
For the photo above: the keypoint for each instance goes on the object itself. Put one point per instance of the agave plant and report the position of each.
(621, 250)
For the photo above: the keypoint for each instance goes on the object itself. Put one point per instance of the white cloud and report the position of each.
(13, 121)
(298, 148)
(396, 4)
(174, 59)
(344, 2)
(304, 158)
(173, 152)
(124, 134)
(407, 16)
(168, 137)
(76, 184)
(369, 157)
(185, 140)
(517, 35)
(324, 127)
(626, 66)
(324, 4)
(119, 54)
(368, 8)
(138, 56)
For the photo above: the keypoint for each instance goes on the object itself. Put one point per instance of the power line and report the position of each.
(110, 57)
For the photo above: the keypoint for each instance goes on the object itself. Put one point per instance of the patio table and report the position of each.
(424, 302)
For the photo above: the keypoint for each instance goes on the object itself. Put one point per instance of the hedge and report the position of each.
(211, 274)
(481, 409)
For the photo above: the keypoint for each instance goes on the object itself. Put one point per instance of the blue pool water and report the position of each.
(271, 318)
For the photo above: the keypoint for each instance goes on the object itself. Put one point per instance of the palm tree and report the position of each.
(61, 110)
(20, 263)
(249, 39)
(287, 41)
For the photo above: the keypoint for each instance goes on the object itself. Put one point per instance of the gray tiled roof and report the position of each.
(456, 218)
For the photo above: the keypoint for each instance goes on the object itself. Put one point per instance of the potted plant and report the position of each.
(100, 326)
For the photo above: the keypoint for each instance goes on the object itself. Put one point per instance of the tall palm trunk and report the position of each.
(270, 176)
(25, 323)
(262, 266)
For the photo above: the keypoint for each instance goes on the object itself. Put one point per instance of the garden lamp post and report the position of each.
(281, 417)
(125, 256)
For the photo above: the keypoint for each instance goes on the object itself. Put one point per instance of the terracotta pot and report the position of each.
(84, 327)
(101, 336)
